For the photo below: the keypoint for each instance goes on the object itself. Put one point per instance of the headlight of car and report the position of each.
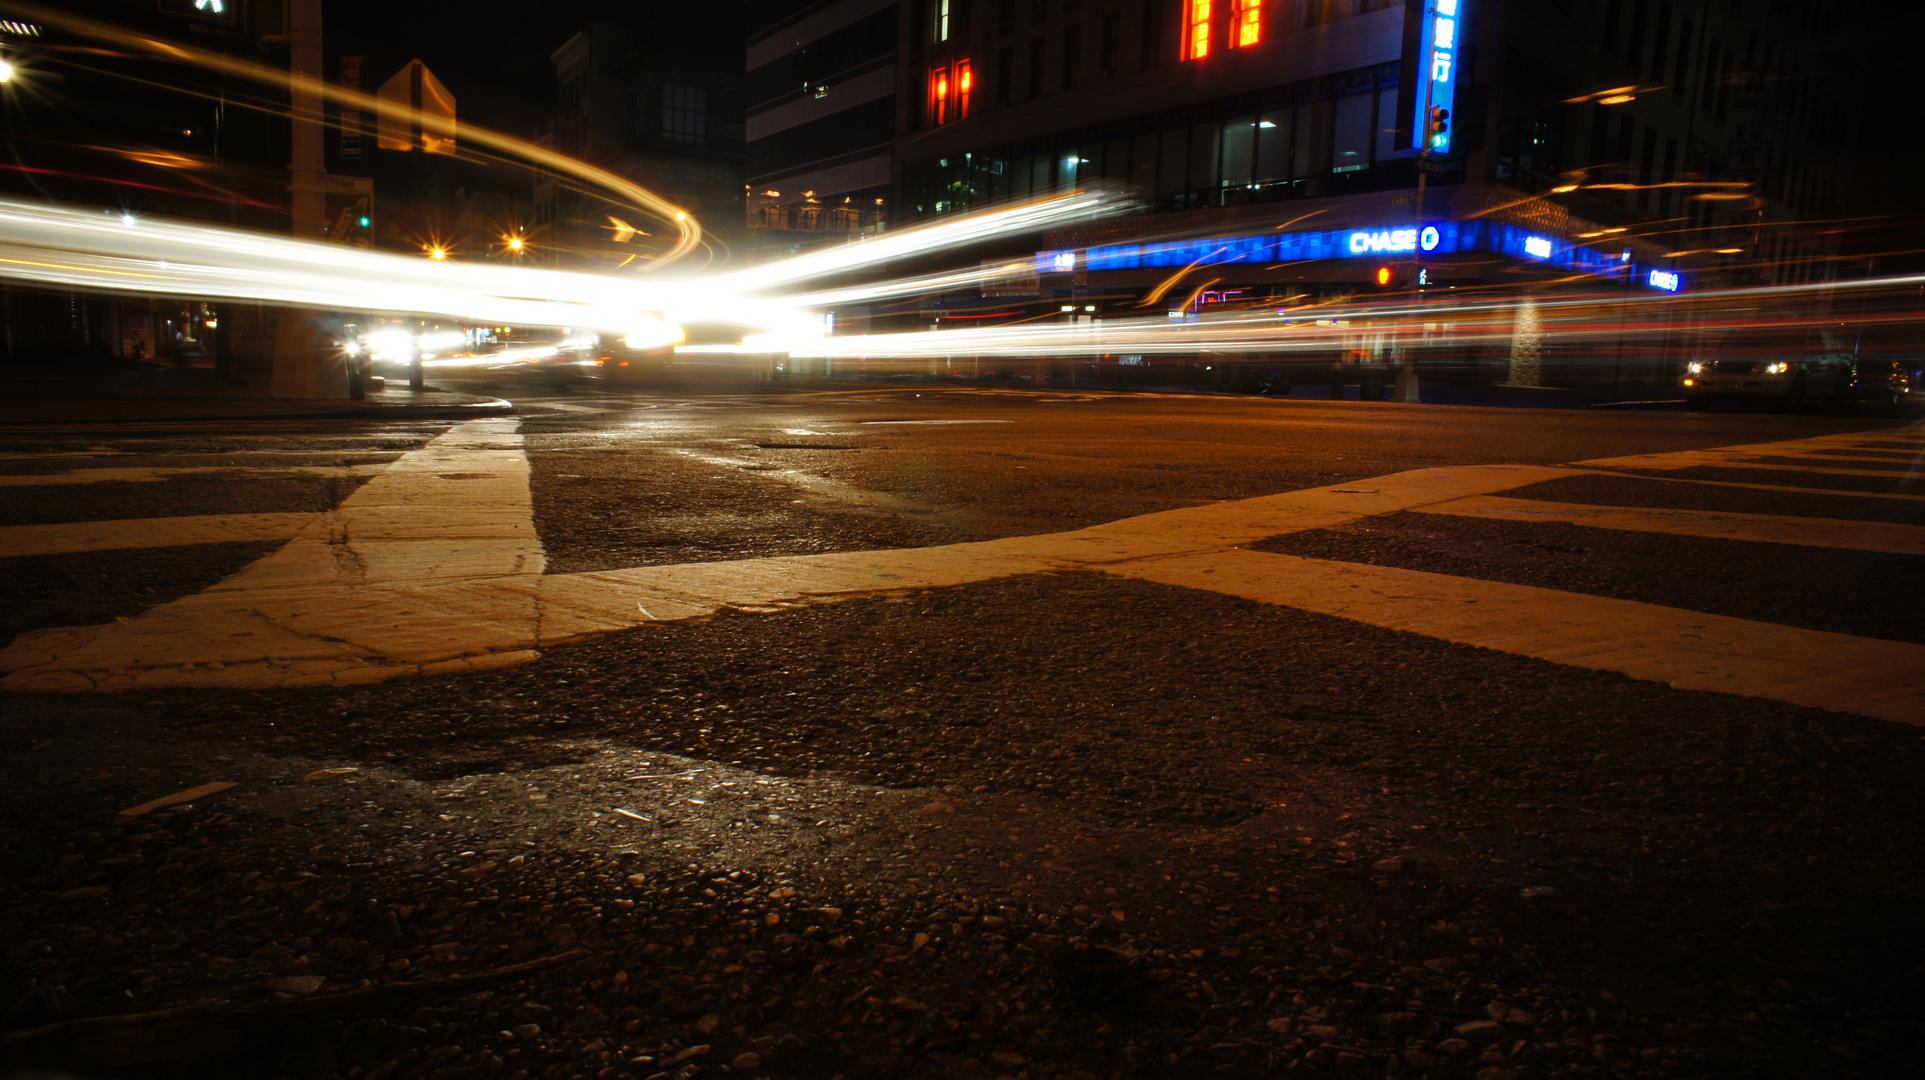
(1694, 367)
(1777, 369)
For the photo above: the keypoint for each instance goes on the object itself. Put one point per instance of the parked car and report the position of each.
(1788, 368)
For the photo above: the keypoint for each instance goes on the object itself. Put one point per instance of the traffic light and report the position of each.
(215, 11)
(1385, 277)
(1438, 130)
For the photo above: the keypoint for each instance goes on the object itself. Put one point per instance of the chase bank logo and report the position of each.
(1366, 243)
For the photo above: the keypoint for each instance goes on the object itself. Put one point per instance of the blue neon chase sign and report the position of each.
(1437, 70)
(1668, 280)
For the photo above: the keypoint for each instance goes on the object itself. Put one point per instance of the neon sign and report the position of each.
(1668, 280)
(1428, 239)
(1436, 70)
(1537, 247)
(1366, 243)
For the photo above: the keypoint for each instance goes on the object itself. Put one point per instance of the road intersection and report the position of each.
(435, 565)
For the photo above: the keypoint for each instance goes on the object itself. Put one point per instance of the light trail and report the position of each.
(1324, 329)
(690, 233)
(116, 252)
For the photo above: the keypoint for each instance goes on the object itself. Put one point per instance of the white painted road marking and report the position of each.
(141, 476)
(434, 566)
(1716, 524)
(19, 540)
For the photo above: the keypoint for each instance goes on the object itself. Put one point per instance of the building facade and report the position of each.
(1637, 146)
(823, 114)
(661, 106)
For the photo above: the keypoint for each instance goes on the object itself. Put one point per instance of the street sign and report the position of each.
(1438, 44)
(1430, 165)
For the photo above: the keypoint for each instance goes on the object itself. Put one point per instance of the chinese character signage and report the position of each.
(1438, 48)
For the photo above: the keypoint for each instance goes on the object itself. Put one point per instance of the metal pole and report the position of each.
(1406, 386)
(305, 363)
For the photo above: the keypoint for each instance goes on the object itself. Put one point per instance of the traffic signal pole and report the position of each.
(306, 364)
(1406, 386)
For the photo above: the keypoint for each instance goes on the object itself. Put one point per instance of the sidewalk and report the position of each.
(120, 391)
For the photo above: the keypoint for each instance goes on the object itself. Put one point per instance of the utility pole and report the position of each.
(305, 362)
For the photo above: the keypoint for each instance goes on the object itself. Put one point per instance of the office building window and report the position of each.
(1150, 44)
(685, 113)
(1037, 58)
(1005, 75)
(1196, 29)
(1246, 24)
(1072, 55)
(941, 21)
(949, 91)
(939, 94)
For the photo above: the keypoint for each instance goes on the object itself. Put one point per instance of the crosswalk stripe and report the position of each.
(22, 540)
(1715, 524)
(1694, 459)
(1846, 492)
(1687, 650)
(136, 475)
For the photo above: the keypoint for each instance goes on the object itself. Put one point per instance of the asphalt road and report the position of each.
(1454, 758)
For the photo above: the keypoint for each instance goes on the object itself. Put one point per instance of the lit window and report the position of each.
(1196, 29)
(939, 94)
(949, 87)
(1247, 24)
(942, 20)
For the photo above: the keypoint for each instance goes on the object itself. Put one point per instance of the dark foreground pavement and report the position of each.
(1052, 826)
(1064, 825)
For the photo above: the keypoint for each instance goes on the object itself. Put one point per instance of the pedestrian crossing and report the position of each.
(434, 566)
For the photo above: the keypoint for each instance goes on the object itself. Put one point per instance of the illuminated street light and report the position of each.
(6, 71)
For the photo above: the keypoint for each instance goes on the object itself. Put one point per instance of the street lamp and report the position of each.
(6, 71)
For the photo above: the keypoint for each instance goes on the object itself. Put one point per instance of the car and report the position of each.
(1788, 368)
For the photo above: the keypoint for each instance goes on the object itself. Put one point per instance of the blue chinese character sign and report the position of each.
(1437, 73)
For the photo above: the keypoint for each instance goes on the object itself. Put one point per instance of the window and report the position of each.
(685, 112)
(1005, 74)
(1246, 24)
(1684, 57)
(939, 94)
(1196, 29)
(949, 91)
(1109, 44)
(940, 24)
(1150, 44)
(1072, 54)
(1037, 59)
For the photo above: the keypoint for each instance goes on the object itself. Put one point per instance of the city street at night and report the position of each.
(935, 731)
(961, 540)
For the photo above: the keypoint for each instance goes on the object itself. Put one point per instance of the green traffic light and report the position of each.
(365, 222)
